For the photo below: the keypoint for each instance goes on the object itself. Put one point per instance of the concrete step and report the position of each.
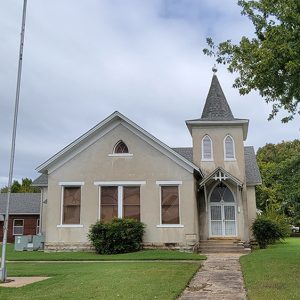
(222, 245)
(224, 250)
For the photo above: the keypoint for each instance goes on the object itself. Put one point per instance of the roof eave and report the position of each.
(237, 122)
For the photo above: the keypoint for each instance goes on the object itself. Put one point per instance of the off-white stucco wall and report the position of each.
(147, 164)
(217, 135)
(251, 203)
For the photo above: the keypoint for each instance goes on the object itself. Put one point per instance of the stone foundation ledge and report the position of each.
(86, 247)
(169, 246)
(68, 247)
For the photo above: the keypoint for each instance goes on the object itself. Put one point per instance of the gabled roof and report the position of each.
(103, 128)
(216, 107)
(41, 181)
(252, 171)
(186, 152)
(224, 173)
(21, 203)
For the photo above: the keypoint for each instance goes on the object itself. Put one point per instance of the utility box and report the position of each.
(21, 242)
(38, 242)
(29, 242)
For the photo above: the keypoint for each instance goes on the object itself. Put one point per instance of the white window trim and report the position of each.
(120, 154)
(63, 185)
(71, 183)
(224, 147)
(169, 183)
(38, 224)
(170, 226)
(202, 152)
(69, 226)
(18, 226)
(119, 185)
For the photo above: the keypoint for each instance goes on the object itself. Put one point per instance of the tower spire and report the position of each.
(216, 107)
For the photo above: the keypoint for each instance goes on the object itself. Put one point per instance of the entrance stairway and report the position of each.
(222, 246)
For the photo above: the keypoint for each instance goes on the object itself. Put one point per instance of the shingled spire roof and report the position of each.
(216, 107)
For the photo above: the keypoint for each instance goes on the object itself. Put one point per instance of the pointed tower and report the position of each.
(218, 136)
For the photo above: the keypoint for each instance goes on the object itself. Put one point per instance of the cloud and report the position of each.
(85, 59)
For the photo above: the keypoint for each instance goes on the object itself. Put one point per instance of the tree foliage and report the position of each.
(270, 61)
(23, 187)
(280, 170)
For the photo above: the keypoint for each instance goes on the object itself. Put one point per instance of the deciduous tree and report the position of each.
(268, 62)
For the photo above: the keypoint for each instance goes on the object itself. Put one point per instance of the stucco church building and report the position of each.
(183, 195)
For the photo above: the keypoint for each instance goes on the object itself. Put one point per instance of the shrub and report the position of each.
(117, 236)
(269, 228)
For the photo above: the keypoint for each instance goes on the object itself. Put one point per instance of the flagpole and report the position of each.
(12, 152)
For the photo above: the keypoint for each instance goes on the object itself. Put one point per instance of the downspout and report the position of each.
(41, 211)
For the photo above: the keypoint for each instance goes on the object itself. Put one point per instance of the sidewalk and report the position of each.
(219, 278)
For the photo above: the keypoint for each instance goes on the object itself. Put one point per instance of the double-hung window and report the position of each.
(18, 227)
(169, 203)
(70, 204)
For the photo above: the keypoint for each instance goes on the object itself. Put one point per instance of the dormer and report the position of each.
(218, 137)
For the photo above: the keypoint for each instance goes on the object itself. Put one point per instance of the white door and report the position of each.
(222, 212)
(222, 220)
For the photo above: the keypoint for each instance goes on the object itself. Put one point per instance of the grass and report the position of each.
(273, 273)
(78, 256)
(101, 280)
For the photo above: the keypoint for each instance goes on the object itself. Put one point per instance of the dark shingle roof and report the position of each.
(251, 167)
(186, 152)
(252, 171)
(216, 107)
(21, 203)
(41, 181)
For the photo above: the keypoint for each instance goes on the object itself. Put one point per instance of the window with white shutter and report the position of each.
(207, 148)
(229, 148)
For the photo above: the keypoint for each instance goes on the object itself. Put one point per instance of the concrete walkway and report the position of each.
(219, 278)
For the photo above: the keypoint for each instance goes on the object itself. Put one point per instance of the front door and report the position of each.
(222, 212)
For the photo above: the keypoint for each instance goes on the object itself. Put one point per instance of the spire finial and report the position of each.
(214, 69)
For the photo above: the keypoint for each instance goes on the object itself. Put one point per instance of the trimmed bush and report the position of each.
(117, 236)
(268, 228)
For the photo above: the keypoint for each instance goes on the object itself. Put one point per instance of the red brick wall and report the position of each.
(30, 222)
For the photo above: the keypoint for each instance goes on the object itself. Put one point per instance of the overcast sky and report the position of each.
(85, 59)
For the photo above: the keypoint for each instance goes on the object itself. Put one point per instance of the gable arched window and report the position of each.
(229, 151)
(120, 148)
(207, 150)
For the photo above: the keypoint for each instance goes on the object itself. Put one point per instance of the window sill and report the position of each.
(170, 226)
(229, 159)
(69, 226)
(208, 160)
(120, 155)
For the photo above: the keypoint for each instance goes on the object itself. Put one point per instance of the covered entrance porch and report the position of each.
(220, 210)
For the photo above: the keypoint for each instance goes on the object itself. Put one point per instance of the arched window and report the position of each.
(207, 153)
(120, 148)
(229, 148)
(221, 192)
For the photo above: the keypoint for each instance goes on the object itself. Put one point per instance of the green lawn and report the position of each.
(76, 256)
(101, 280)
(273, 273)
